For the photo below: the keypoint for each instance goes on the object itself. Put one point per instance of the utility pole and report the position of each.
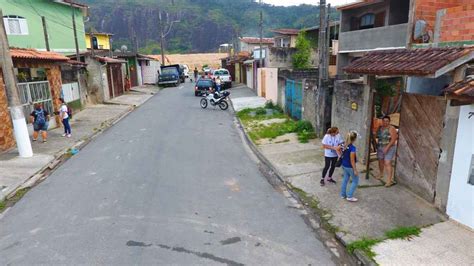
(162, 37)
(328, 41)
(20, 129)
(322, 43)
(75, 32)
(165, 29)
(45, 31)
(261, 33)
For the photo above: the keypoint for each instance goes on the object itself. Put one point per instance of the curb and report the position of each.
(359, 256)
(62, 156)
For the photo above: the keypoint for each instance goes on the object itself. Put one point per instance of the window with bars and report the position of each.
(15, 25)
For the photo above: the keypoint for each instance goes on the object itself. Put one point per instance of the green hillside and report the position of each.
(204, 24)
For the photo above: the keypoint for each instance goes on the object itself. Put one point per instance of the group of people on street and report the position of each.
(216, 80)
(40, 120)
(343, 152)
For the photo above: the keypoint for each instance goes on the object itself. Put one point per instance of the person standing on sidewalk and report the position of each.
(349, 160)
(196, 74)
(386, 149)
(64, 114)
(332, 150)
(218, 83)
(40, 120)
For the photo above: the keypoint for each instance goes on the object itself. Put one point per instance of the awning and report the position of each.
(33, 54)
(109, 60)
(462, 88)
(429, 62)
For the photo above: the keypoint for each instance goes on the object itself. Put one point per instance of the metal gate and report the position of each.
(35, 92)
(294, 98)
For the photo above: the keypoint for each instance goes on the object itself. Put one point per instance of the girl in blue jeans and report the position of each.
(349, 160)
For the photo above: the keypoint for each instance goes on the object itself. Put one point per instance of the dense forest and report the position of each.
(203, 24)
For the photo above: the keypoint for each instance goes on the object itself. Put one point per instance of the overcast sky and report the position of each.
(312, 2)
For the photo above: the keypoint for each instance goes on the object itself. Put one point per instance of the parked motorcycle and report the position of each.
(216, 98)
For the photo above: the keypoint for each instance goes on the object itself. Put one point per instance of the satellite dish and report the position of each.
(124, 48)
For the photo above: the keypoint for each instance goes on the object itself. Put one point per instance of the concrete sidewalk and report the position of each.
(243, 97)
(15, 171)
(379, 209)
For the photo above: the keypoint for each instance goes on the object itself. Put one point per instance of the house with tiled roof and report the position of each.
(40, 80)
(285, 37)
(412, 60)
(250, 44)
(43, 76)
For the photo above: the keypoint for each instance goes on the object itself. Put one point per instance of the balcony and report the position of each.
(382, 37)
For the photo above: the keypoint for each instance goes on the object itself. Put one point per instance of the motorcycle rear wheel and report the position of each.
(203, 103)
(223, 105)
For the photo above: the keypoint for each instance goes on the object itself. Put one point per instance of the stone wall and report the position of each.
(7, 140)
(98, 86)
(347, 118)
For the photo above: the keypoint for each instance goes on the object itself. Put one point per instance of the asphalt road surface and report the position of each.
(169, 184)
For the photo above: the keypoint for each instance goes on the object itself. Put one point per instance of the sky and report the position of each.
(312, 2)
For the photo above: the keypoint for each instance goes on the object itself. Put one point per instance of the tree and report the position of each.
(302, 56)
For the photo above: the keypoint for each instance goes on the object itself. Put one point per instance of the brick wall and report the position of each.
(458, 24)
(7, 139)
(426, 9)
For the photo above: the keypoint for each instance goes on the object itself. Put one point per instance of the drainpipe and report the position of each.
(100, 72)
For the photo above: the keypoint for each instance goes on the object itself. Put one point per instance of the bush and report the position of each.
(304, 126)
(261, 111)
(303, 52)
(269, 105)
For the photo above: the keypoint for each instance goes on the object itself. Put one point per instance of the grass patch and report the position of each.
(3, 205)
(11, 201)
(251, 116)
(365, 245)
(313, 203)
(403, 232)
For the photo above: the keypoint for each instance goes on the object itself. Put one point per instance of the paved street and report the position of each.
(169, 184)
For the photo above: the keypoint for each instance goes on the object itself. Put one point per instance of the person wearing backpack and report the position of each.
(40, 120)
(65, 115)
(349, 167)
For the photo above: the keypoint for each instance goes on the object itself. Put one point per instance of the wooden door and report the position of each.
(117, 79)
(421, 127)
(110, 82)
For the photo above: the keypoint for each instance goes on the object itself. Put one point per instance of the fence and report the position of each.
(70, 92)
(35, 92)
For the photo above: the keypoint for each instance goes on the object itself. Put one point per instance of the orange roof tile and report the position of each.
(286, 31)
(36, 55)
(416, 62)
(254, 40)
(462, 88)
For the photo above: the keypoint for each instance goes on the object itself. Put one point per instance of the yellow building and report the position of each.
(101, 40)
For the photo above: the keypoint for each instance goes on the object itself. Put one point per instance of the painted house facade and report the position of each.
(98, 40)
(24, 25)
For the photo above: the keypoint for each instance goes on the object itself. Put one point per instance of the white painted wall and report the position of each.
(150, 73)
(249, 76)
(461, 193)
(139, 73)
